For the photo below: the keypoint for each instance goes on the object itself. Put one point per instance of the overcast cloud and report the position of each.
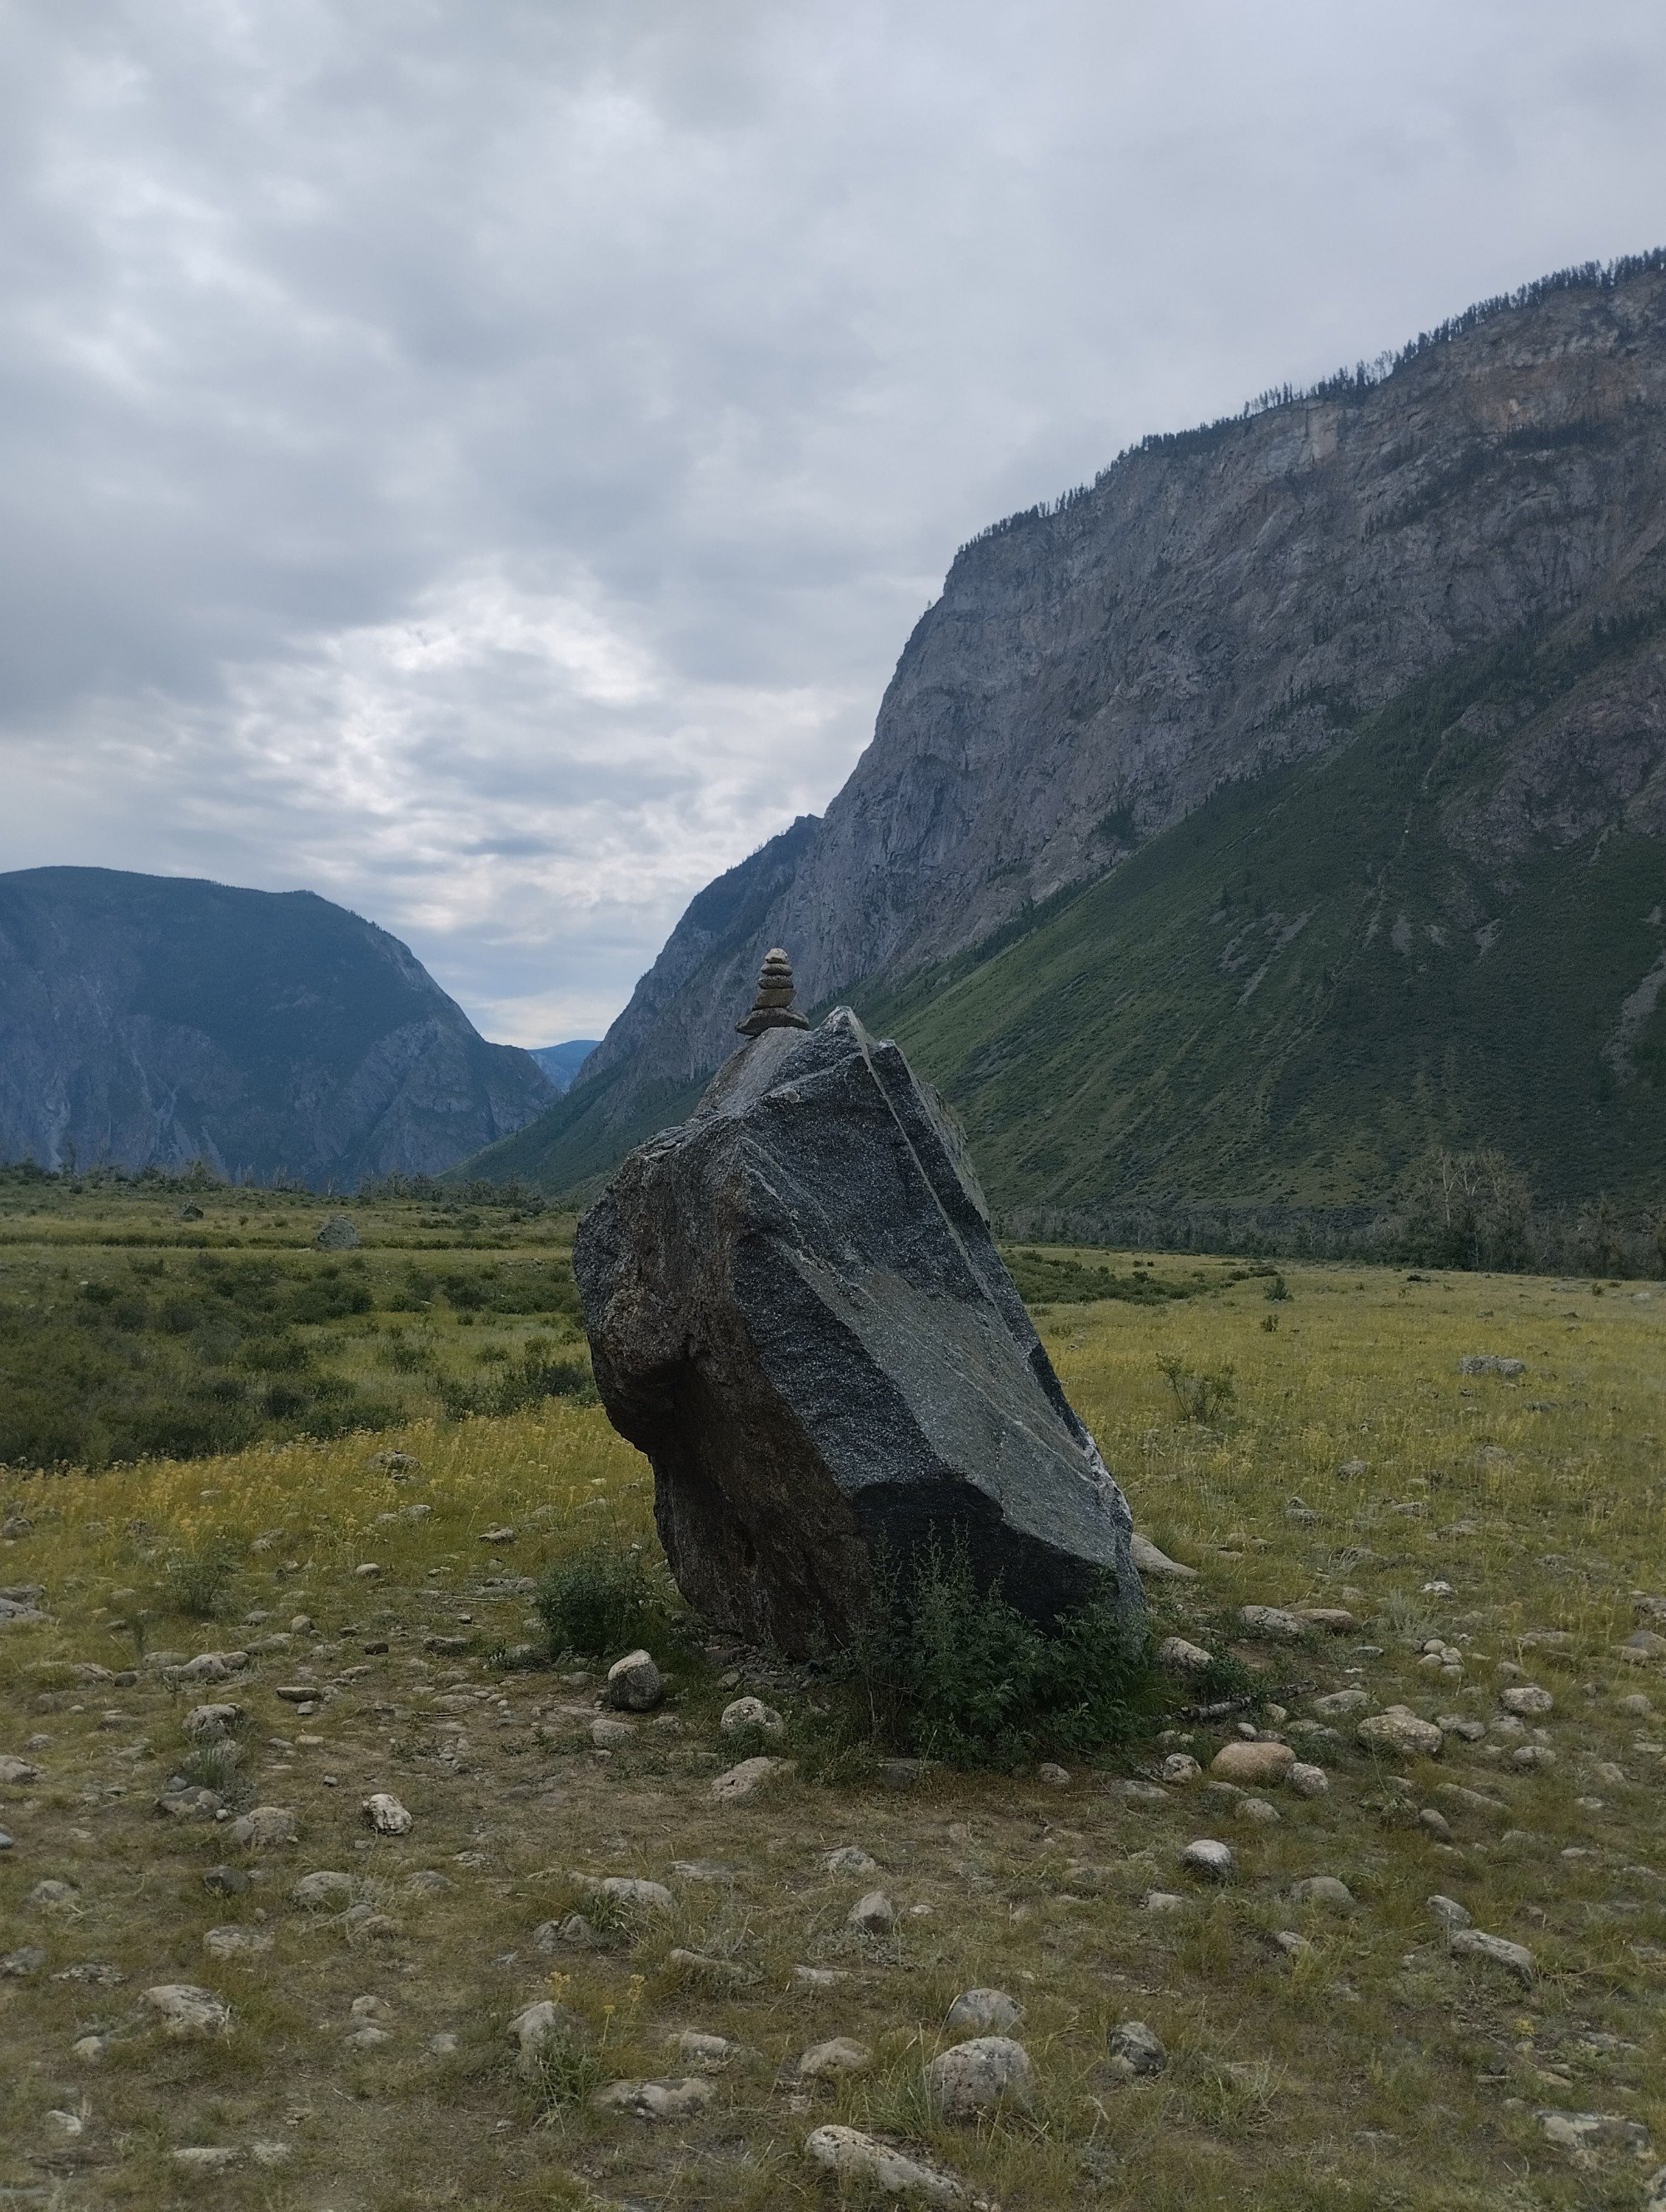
(482, 461)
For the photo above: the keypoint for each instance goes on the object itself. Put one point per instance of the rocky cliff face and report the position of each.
(1217, 605)
(149, 1021)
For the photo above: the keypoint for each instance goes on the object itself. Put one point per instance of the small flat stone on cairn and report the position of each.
(773, 1009)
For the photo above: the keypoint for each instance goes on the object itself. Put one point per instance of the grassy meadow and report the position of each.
(383, 1578)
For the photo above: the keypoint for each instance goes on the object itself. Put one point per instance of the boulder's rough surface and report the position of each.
(796, 1309)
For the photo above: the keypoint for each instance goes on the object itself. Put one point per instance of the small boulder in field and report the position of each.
(984, 2012)
(1514, 1957)
(326, 1891)
(184, 2010)
(1180, 1768)
(751, 1717)
(1526, 1700)
(970, 2079)
(742, 1783)
(1323, 1890)
(850, 2156)
(387, 1815)
(872, 1915)
(1209, 1860)
(1398, 1733)
(832, 2060)
(212, 1723)
(1307, 1780)
(635, 1684)
(1136, 2050)
(656, 2100)
(266, 1827)
(850, 1859)
(543, 2027)
(1272, 1623)
(635, 1896)
(1450, 1913)
(1174, 1655)
(1252, 1764)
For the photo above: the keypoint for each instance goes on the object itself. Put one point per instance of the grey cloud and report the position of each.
(484, 461)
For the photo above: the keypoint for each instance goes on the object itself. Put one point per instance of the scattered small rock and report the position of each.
(751, 1717)
(212, 1723)
(1273, 1621)
(266, 1827)
(1249, 1763)
(872, 1915)
(1174, 1655)
(16, 1773)
(850, 2156)
(235, 1943)
(1398, 1733)
(1324, 1891)
(327, 1891)
(1209, 1860)
(1515, 1957)
(971, 2079)
(537, 2027)
(829, 2061)
(184, 2009)
(1489, 1363)
(656, 2100)
(742, 1783)
(1148, 1560)
(1180, 1768)
(1135, 2049)
(1308, 1780)
(985, 2011)
(1526, 1700)
(1450, 1913)
(611, 1734)
(635, 1684)
(1583, 2132)
(1340, 1703)
(387, 1815)
(202, 2159)
(850, 1859)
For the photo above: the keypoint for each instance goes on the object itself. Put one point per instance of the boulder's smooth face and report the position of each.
(796, 1310)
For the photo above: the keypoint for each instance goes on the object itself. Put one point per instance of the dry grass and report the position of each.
(1371, 2069)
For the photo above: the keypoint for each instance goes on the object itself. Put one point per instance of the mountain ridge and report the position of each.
(1220, 606)
(153, 1020)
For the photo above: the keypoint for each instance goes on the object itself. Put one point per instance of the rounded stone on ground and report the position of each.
(212, 1723)
(1435, 1823)
(1526, 1700)
(751, 1717)
(235, 1943)
(1257, 1810)
(1174, 1655)
(1162, 1900)
(850, 2156)
(742, 1783)
(184, 2009)
(609, 1735)
(635, 1684)
(1261, 1762)
(1447, 1911)
(970, 2079)
(1055, 1776)
(872, 1915)
(326, 1891)
(635, 1896)
(656, 2100)
(985, 2011)
(387, 1815)
(538, 2027)
(1324, 1891)
(1273, 1621)
(1498, 1950)
(1308, 1780)
(1398, 1733)
(838, 2056)
(850, 1859)
(1207, 1858)
(265, 1827)
(1180, 1767)
(1136, 2050)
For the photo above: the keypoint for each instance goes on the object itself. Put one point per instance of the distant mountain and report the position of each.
(562, 1062)
(150, 1020)
(1290, 798)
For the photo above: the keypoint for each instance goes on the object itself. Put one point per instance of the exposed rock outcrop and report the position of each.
(796, 1310)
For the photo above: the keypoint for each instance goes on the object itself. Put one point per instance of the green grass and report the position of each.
(1514, 1518)
(134, 1326)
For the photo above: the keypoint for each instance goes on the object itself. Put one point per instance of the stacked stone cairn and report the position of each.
(773, 1009)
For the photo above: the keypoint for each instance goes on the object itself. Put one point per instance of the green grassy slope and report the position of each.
(1290, 996)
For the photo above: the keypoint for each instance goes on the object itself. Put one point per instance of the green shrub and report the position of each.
(530, 1381)
(601, 1603)
(1200, 1397)
(946, 1670)
(198, 1579)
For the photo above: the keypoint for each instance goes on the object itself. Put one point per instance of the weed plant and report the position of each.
(603, 1601)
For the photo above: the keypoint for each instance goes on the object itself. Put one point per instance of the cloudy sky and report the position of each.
(481, 460)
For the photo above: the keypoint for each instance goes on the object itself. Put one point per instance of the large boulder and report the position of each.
(796, 1310)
